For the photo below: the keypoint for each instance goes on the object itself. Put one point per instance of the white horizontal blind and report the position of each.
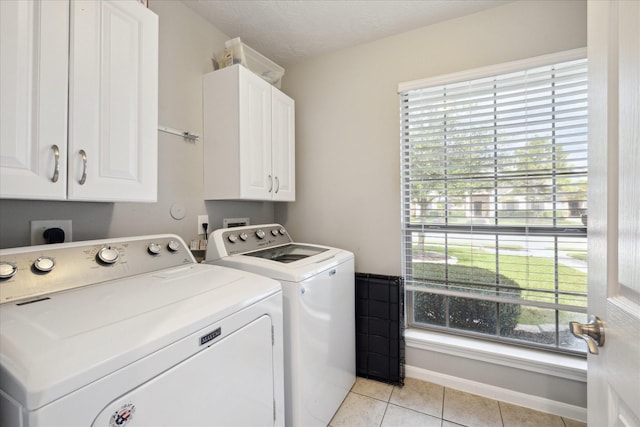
(494, 185)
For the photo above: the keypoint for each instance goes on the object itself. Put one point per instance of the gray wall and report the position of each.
(348, 149)
(347, 118)
(186, 44)
(546, 386)
(347, 142)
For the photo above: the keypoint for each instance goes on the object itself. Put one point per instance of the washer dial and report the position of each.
(260, 234)
(154, 248)
(173, 246)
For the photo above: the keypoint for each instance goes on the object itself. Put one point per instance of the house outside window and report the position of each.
(576, 208)
(494, 184)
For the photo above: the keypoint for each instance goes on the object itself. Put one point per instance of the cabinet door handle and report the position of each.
(56, 168)
(83, 179)
(270, 183)
(277, 185)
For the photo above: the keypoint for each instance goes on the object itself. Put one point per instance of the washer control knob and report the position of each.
(108, 255)
(7, 270)
(44, 264)
(233, 238)
(154, 248)
(173, 246)
(260, 234)
(243, 237)
(274, 232)
(282, 231)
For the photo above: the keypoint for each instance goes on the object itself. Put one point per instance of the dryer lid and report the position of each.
(69, 339)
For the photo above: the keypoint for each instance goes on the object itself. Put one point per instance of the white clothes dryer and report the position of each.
(318, 284)
(118, 332)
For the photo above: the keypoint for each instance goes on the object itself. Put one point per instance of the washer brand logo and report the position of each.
(122, 416)
(210, 336)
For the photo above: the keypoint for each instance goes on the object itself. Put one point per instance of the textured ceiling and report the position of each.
(287, 31)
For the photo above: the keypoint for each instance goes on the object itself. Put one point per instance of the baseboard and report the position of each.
(498, 393)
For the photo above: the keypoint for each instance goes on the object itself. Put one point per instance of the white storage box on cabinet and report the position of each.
(249, 138)
(105, 53)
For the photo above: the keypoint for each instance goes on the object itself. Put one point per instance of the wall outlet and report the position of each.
(203, 219)
(38, 227)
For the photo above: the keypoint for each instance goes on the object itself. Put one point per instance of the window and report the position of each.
(494, 184)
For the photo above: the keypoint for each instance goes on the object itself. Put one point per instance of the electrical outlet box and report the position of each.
(203, 219)
(38, 227)
(235, 222)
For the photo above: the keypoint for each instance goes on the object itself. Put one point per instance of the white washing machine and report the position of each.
(318, 283)
(134, 332)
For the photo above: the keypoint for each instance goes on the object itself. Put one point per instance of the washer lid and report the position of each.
(293, 271)
(288, 253)
(66, 340)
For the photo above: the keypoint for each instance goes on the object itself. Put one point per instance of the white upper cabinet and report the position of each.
(283, 162)
(109, 66)
(113, 102)
(249, 138)
(34, 51)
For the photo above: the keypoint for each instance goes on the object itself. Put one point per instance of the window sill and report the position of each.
(557, 365)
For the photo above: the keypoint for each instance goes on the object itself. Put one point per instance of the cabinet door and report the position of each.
(256, 179)
(113, 102)
(283, 160)
(34, 41)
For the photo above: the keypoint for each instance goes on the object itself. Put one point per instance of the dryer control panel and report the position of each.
(34, 271)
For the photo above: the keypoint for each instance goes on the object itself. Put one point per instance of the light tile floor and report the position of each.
(419, 403)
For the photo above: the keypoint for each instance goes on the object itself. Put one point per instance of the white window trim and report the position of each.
(560, 365)
(492, 70)
(527, 359)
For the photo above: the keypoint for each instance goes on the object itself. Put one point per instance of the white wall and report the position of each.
(347, 118)
(186, 44)
(348, 148)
